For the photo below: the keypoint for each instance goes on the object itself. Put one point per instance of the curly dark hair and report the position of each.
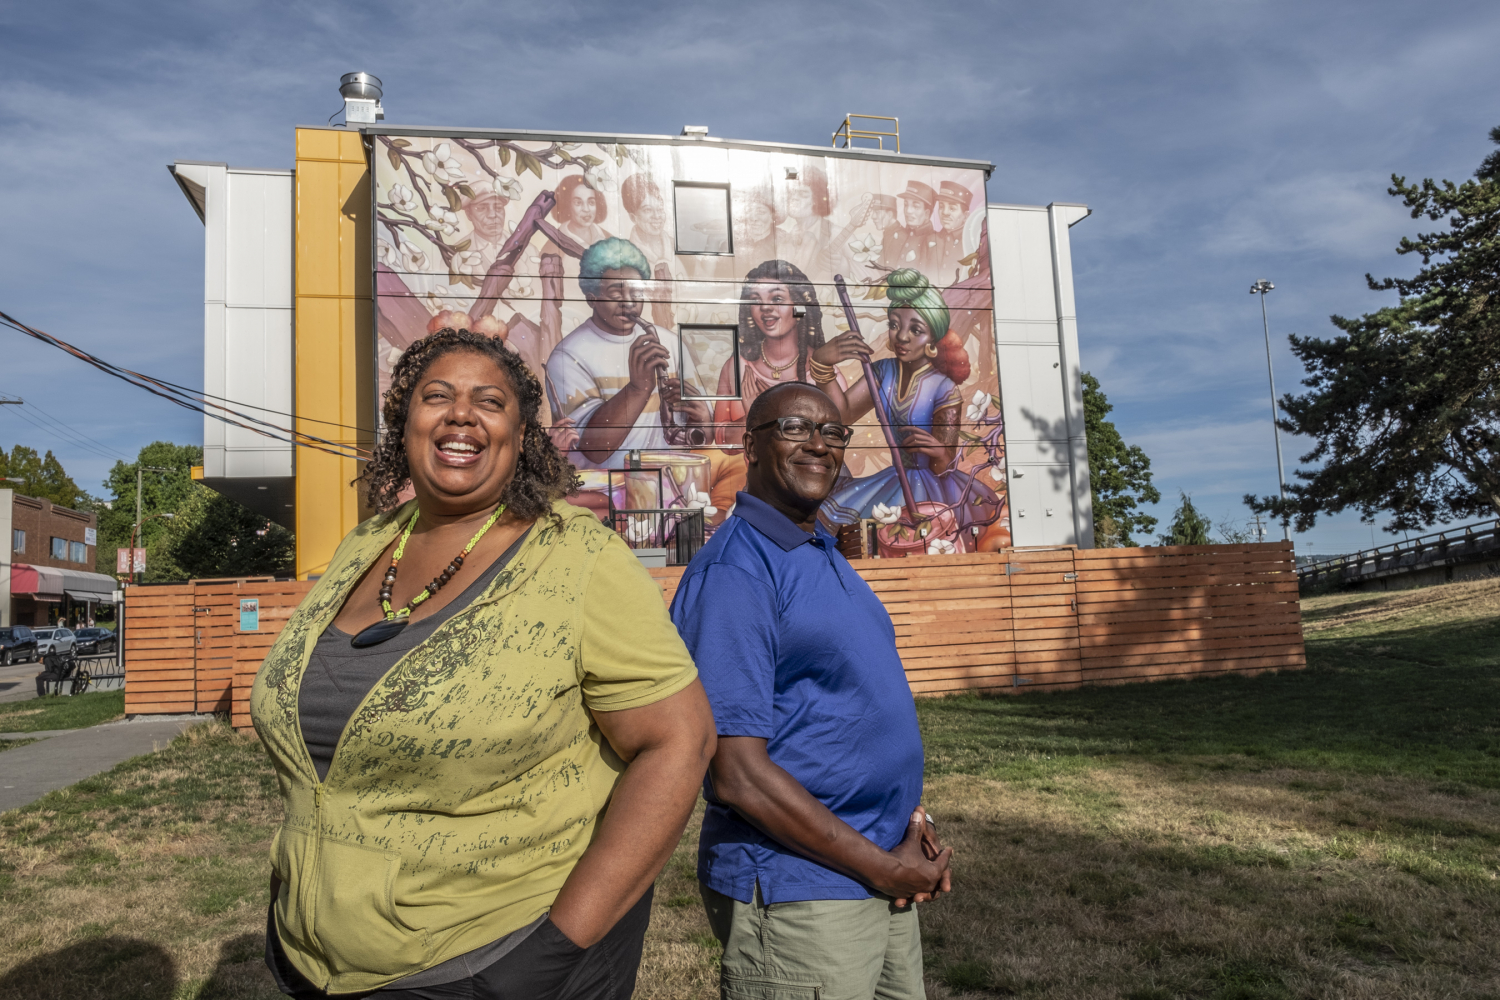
(809, 324)
(542, 474)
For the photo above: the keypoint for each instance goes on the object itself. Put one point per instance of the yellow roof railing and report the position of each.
(849, 132)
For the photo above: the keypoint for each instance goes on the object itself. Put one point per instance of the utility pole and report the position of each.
(135, 532)
(1261, 287)
(1260, 528)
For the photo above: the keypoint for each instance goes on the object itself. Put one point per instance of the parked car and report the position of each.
(17, 645)
(54, 640)
(90, 641)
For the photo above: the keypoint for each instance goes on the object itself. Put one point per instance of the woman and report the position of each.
(445, 749)
(776, 345)
(648, 215)
(920, 389)
(580, 210)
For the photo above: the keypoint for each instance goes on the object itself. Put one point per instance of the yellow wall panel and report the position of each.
(334, 336)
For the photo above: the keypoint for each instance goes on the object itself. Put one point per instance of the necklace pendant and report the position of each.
(381, 631)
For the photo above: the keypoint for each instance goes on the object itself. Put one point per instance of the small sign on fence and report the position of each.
(250, 614)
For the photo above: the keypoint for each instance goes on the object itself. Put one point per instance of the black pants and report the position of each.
(546, 966)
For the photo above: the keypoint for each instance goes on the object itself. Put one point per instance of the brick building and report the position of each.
(47, 563)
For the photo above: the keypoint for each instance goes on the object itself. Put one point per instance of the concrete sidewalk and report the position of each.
(63, 757)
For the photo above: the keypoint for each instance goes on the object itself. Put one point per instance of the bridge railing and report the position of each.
(1437, 548)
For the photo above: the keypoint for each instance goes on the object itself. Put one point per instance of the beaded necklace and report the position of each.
(396, 620)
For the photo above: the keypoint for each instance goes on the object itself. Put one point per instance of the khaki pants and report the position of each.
(821, 949)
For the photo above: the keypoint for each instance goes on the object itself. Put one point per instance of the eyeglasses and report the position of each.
(801, 429)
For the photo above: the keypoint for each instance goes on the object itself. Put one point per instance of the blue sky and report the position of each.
(1216, 142)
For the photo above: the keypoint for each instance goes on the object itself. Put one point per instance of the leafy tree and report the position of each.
(229, 539)
(161, 493)
(1188, 526)
(42, 478)
(1119, 474)
(1405, 403)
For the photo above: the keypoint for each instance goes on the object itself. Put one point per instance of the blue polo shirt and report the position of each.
(793, 646)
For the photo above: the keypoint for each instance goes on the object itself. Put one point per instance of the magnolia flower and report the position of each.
(570, 146)
(468, 262)
(941, 547)
(402, 199)
(978, 406)
(600, 177)
(386, 254)
(508, 187)
(867, 248)
(412, 259)
(884, 514)
(441, 165)
(640, 529)
(997, 473)
(520, 287)
(447, 220)
(394, 356)
(700, 501)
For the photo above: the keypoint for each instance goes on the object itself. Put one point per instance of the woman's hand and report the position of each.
(666, 746)
(920, 442)
(849, 346)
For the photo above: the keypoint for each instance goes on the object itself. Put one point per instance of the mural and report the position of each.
(657, 289)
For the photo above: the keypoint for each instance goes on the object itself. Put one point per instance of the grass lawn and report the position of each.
(1331, 833)
(73, 712)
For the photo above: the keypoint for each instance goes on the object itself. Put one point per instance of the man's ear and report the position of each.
(749, 442)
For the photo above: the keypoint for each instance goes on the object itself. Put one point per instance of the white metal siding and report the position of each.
(1036, 336)
(247, 313)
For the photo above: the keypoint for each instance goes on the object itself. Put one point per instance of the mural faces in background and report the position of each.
(910, 245)
(648, 216)
(755, 220)
(953, 212)
(580, 210)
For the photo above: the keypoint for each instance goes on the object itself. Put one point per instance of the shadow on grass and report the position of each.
(1416, 701)
(120, 968)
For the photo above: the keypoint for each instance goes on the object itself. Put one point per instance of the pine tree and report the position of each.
(1405, 404)
(1188, 526)
(1119, 474)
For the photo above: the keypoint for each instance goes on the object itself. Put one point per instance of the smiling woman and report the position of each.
(448, 732)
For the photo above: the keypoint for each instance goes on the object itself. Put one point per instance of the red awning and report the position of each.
(40, 582)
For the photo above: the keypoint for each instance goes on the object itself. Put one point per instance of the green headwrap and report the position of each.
(909, 289)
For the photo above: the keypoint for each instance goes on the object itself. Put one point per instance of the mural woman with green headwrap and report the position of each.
(920, 389)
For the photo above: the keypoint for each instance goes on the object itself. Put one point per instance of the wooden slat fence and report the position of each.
(1023, 619)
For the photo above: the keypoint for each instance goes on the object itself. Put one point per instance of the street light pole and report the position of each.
(1261, 287)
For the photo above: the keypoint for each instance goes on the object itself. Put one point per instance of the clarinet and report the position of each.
(677, 435)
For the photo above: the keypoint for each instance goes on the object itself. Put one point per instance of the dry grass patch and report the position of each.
(145, 882)
(1151, 881)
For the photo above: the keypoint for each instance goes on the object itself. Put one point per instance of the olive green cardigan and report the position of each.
(467, 784)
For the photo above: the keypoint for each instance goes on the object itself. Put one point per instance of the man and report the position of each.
(486, 212)
(953, 202)
(603, 377)
(814, 843)
(912, 245)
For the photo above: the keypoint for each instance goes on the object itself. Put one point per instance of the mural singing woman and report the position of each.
(776, 344)
(920, 388)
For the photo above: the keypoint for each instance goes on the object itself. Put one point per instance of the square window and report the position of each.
(18, 540)
(703, 218)
(59, 548)
(78, 552)
(702, 353)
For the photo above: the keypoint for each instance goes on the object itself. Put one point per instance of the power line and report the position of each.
(79, 436)
(65, 434)
(192, 399)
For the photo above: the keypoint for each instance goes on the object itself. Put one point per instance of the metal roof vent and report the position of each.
(695, 131)
(361, 92)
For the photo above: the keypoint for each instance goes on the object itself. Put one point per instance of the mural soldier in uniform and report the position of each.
(953, 202)
(911, 245)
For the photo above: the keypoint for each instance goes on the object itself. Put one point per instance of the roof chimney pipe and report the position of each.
(361, 93)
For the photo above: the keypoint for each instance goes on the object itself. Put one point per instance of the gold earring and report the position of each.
(930, 350)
